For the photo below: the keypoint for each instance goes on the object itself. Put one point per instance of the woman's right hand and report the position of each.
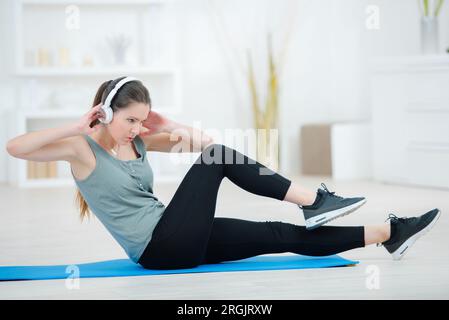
(83, 126)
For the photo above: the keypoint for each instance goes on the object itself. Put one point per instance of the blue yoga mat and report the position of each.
(126, 267)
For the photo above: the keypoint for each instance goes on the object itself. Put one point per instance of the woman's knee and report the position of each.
(218, 153)
(212, 154)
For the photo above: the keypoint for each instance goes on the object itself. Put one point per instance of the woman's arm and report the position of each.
(33, 141)
(54, 143)
(166, 135)
(197, 139)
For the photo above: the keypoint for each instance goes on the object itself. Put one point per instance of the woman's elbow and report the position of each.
(11, 148)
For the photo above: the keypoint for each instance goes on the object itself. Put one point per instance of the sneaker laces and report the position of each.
(329, 192)
(392, 217)
(395, 218)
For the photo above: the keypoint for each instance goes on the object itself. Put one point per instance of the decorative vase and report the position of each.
(119, 45)
(429, 35)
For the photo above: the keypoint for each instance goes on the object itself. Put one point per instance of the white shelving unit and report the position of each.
(74, 72)
(52, 95)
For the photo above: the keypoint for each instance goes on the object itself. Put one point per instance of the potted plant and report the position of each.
(266, 118)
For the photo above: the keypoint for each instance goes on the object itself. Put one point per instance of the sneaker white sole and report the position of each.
(326, 217)
(403, 249)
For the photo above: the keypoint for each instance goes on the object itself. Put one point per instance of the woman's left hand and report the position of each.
(154, 123)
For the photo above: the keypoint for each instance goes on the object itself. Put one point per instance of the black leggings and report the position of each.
(188, 234)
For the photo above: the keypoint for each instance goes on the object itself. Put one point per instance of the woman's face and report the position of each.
(127, 122)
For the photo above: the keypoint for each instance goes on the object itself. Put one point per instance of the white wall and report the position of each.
(213, 64)
(323, 77)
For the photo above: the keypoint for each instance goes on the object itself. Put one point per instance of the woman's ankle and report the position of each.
(299, 195)
(386, 228)
(377, 234)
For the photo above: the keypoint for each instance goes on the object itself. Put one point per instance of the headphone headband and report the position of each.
(107, 102)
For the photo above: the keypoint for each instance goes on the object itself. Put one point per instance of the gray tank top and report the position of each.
(120, 194)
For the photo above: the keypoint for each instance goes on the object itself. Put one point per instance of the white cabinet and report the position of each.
(410, 120)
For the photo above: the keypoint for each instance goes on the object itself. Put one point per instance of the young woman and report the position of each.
(107, 150)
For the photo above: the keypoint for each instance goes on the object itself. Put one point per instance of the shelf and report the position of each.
(93, 2)
(52, 114)
(69, 113)
(438, 62)
(94, 71)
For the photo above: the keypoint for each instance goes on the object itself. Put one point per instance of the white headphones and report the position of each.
(106, 107)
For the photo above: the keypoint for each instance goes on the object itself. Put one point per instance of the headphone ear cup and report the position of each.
(108, 115)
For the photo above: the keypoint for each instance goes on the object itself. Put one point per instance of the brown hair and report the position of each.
(133, 91)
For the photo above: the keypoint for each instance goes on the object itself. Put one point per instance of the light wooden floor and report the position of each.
(41, 226)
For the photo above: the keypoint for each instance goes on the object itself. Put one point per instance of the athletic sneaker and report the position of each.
(405, 231)
(327, 207)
